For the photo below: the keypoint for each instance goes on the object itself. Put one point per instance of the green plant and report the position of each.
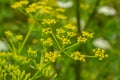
(57, 39)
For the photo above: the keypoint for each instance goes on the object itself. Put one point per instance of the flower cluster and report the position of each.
(32, 52)
(61, 17)
(65, 41)
(48, 21)
(84, 37)
(60, 10)
(8, 33)
(19, 37)
(70, 27)
(71, 34)
(46, 30)
(48, 41)
(13, 72)
(100, 53)
(57, 37)
(78, 56)
(19, 4)
(35, 7)
(51, 56)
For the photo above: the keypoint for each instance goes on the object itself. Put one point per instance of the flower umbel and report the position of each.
(100, 53)
(51, 56)
(78, 56)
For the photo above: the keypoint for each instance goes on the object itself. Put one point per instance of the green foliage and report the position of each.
(44, 42)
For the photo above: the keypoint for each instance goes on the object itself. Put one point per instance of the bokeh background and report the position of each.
(99, 16)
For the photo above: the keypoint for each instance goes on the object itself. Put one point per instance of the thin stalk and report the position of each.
(13, 46)
(92, 14)
(68, 55)
(77, 2)
(77, 65)
(71, 46)
(55, 39)
(26, 38)
(38, 73)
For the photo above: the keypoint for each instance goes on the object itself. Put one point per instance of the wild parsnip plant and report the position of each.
(58, 39)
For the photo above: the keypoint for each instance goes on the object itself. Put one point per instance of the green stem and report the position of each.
(77, 66)
(26, 38)
(71, 46)
(77, 2)
(13, 46)
(92, 14)
(38, 73)
(68, 55)
(55, 39)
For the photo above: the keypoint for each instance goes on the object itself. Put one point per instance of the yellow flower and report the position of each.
(87, 34)
(60, 10)
(19, 4)
(70, 26)
(71, 34)
(30, 9)
(66, 41)
(81, 39)
(32, 52)
(61, 16)
(8, 33)
(82, 58)
(77, 56)
(60, 30)
(46, 30)
(100, 53)
(48, 21)
(41, 2)
(19, 37)
(51, 56)
(49, 41)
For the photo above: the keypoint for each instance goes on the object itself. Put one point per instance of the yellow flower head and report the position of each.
(19, 37)
(71, 34)
(77, 56)
(32, 52)
(70, 26)
(49, 41)
(87, 34)
(48, 21)
(61, 16)
(19, 4)
(51, 56)
(46, 30)
(60, 30)
(60, 10)
(100, 53)
(66, 41)
(81, 39)
(8, 33)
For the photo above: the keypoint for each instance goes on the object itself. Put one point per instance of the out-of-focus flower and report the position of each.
(3, 47)
(106, 10)
(65, 4)
(101, 43)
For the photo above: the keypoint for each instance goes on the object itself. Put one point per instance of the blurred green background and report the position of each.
(102, 18)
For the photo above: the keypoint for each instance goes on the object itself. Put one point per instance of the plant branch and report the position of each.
(92, 14)
(77, 65)
(26, 38)
(77, 2)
